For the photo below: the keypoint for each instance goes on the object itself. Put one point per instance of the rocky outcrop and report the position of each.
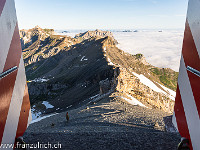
(42, 91)
(129, 84)
(39, 44)
(104, 86)
(94, 34)
(28, 37)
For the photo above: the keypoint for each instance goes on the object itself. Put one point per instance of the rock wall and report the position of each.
(127, 83)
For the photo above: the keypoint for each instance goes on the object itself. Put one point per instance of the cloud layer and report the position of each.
(161, 49)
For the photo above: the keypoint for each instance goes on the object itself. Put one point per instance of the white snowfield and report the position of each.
(35, 114)
(47, 105)
(172, 93)
(41, 118)
(133, 101)
(110, 62)
(154, 87)
(39, 80)
(147, 82)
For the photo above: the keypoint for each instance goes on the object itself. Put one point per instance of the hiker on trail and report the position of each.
(67, 116)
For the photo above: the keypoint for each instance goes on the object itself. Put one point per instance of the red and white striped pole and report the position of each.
(14, 99)
(187, 104)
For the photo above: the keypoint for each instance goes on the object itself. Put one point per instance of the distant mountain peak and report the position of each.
(97, 34)
(37, 27)
(98, 30)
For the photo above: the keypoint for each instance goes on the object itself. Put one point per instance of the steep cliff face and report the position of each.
(135, 78)
(67, 71)
(129, 84)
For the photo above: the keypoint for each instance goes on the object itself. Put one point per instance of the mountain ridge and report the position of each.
(73, 69)
(114, 100)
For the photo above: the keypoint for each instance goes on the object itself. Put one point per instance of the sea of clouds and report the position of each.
(161, 49)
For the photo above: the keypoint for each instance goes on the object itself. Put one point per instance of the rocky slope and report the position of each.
(65, 71)
(110, 124)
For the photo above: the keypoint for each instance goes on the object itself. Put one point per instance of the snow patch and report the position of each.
(148, 82)
(35, 114)
(171, 94)
(105, 49)
(94, 96)
(39, 80)
(83, 58)
(69, 106)
(133, 101)
(41, 118)
(47, 105)
(110, 62)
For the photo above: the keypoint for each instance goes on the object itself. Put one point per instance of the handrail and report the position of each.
(194, 71)
(9, 71)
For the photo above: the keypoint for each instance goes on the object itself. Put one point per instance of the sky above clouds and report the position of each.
(102, 14)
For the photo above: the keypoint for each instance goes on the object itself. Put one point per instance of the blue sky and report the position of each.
(102, 14)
